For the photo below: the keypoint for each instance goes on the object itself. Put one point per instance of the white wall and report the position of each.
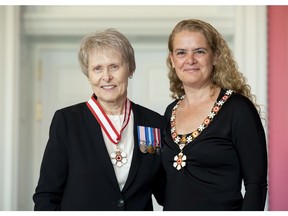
(9, 106)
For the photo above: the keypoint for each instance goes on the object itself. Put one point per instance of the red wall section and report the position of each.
(278, 107)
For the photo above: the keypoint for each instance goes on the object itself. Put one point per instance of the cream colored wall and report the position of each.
(244, 25)
(9, 106)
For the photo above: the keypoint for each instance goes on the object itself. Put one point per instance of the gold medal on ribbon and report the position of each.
(150, 149)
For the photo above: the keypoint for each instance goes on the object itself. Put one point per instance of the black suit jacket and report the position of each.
(77, 173)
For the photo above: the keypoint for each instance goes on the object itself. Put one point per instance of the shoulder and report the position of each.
(147, 117)
(139, 109)
(72, 114)
(72, 109)
(240, 102)
(170, 107)
(240, 108)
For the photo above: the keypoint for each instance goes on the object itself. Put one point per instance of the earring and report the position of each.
(131, 76)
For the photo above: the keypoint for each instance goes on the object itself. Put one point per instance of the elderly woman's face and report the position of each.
(108, 75)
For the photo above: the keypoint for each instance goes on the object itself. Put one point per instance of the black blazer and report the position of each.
(77, 173)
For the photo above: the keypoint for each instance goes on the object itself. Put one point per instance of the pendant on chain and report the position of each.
(179, 161)
(118, 158)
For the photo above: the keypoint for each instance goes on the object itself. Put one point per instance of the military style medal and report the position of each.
(119, 157)
(149, 140)
(143, 147)
(149, 137)
(157, 138)
(180, 161)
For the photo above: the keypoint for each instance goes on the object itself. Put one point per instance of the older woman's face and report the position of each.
(108, 75)
(192, 58)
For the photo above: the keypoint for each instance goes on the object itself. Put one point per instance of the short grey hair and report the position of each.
(111, 39)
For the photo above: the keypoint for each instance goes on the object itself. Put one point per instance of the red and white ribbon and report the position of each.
(105, 123)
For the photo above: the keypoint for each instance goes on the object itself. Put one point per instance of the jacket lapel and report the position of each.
(136, 159)
(95, 133)
(94, 130)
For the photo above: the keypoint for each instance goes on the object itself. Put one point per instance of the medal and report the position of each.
(143, 147)
(182, 141)
(157, 138)
(118, 158)
(149, 139)
(179, 161)
(157, 150)
(150, 149)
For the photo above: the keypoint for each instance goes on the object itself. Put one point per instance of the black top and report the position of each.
(77, 173)
(231, 149)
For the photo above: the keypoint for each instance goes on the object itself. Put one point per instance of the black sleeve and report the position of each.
(54, 167)
(249, 138)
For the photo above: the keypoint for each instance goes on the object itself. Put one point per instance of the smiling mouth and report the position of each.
(108, 86)
(191, 69)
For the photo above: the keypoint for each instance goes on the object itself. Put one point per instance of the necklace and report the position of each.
(183, 140)
(119, 157)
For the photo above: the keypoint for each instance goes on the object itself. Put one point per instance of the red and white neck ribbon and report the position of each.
(105, 123)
